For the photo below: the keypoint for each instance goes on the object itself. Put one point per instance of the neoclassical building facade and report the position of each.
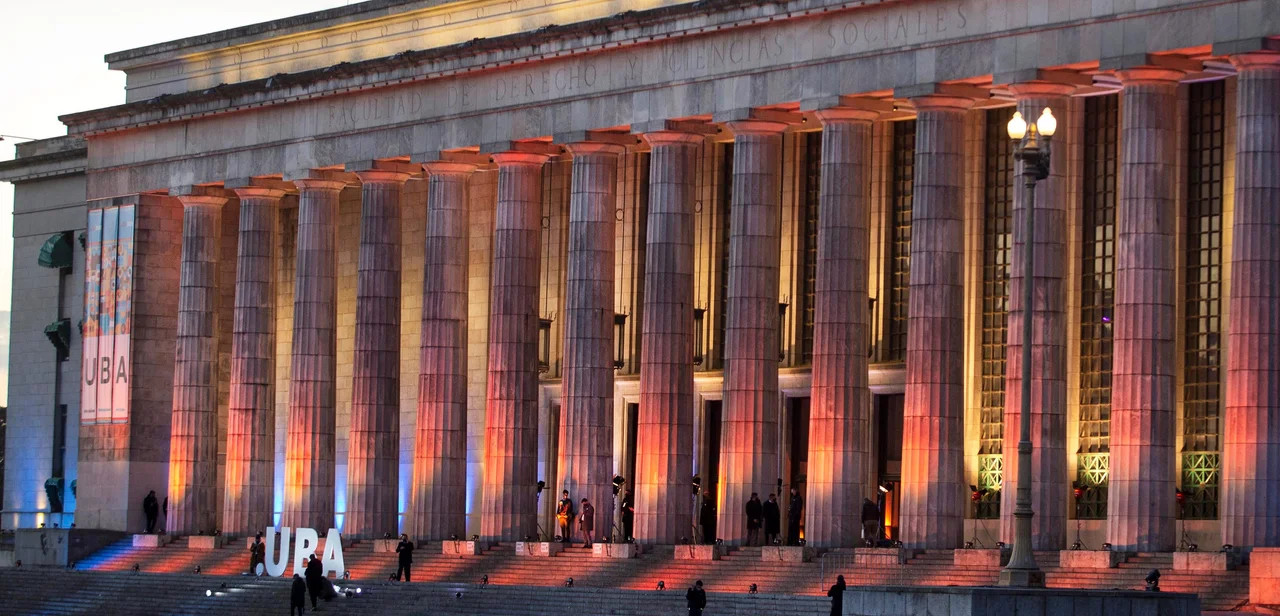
(402, 264)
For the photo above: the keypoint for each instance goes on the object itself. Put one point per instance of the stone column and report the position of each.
(373, 463)
(586, 415)
(933, 417)
(438, 499)
(840, 414)
(664, 442)
(749, 430)
(249, 502)
(193, 435)
(309, 448)
(1049, 485)
(1251, 447)
(1140, 499)
(508, 505)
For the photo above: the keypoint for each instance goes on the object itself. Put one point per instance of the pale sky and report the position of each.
(51, 64)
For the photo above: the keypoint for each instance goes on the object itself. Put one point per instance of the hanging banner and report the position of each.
(122, 369)
(90, 332)
(107, 313)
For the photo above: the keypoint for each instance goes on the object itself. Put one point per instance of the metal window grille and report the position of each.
(1202, 358)
(809, 274)
(1097, 285)
(997, 249)
(903, 178)
(725, 176)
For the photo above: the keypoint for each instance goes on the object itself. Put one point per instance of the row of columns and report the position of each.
(1141, 493)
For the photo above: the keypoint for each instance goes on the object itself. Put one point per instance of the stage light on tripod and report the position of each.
(662, 585)
(475, 537)
(697, 484)
(618, 481)
(753, 589)
(568, 583)
(1106, 546)
(542, 485)
(484, 580)
(968, 545)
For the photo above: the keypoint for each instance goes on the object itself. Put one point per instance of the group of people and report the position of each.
(585, 516)
(696, 597)
(311, 583)
(766, 516)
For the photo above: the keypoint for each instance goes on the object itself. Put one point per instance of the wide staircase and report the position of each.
(734, 573)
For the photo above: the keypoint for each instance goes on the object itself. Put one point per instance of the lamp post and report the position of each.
(1022, 569)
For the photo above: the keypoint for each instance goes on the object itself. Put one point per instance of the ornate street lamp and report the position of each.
(1022, 569)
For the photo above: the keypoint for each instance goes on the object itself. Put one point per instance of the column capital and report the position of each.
(258, 192)
(514, 158)
(446, 167)
(1149, 75)
(1258, 60)
(673, 137)
(201, 201)
(382, 176)
(757, 127)
(580, 148)
(1041, 89)
(939, 96)
(845, 114)
(319, 184)
(695, 127)
(941, 102)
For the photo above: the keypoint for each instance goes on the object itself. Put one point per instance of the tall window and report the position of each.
(809, 258)
(1202, 360)
(997, 248)
(725, 177)
(901, 186)
(1097, 299)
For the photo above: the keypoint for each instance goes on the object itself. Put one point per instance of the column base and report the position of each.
(544, 549)
(982, 558)
(698, 552)
(1205, 561)
(1090, 559)
(615, 550)
(463, 548)
(382, 546)
(1022, 578)
(881, 556)
(151, 541)
(205, 542)
(787, 554)
(1264, 576)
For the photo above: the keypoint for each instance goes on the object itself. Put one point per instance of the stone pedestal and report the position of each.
(543, 549)
(1090, 559)
(383, 546)
(586, 413)
(881, 556)
(193, 435)
(438, 495)
(1205, 561)
(205, 542)
(508, 502)
(840, 416)
(463, 548)
(249, 500)
(309, 465)
(749, 429)
(1264, 576)
(614, 550)
(373, 457)
(932, 513)
(150, 541)
(786, 554)
(698, 552)
(981, 559)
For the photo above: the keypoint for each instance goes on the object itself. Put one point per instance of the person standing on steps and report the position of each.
(587, 523)
(298, 596)
(405, 550)
(696, 598)
(151, 509)
(628, 515)
(707, 518)
(772, 519)
(794, 510)
(837, 596)
(315, 579)
(870, 522)
(257, 554)
(564, 515)
(755, 518)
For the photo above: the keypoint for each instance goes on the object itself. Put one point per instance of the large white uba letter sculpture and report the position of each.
(305, 540)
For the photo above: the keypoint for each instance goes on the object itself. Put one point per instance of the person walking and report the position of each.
(628, 515)
(298, 596)
(564, 515)
(587, 523)
(794, 510)
(257, 554)
(772, 519)
(755, 519)
(151, 509)
(870, 522)
(707, 518)
(837, 596)
(696, 599)
(315, 579)
(405, 550)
